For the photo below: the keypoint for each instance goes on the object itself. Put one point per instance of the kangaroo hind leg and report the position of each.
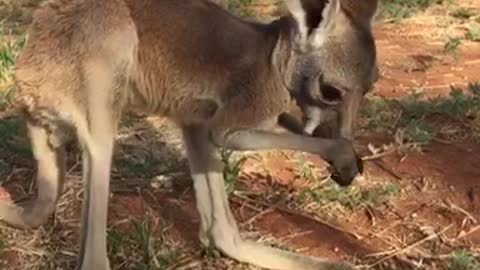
(48, 150)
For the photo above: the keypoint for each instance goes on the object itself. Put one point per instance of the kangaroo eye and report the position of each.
(330, 94)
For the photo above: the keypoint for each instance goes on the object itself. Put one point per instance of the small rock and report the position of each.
(428, 230)
(359, 178)
(165, 181)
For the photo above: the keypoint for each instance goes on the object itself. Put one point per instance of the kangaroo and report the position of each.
(225, 81)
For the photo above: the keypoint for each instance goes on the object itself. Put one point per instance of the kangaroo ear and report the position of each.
(313, 18)
(363, 11)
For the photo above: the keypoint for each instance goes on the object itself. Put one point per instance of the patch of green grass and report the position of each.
(410, 113)
(464, 260)
(379, 114)
(474, 88)
(232, 169)
(463, 13)
(143, 164)
(140, 249)
(155, 253)
(401, 9)
(167, 256)
(13, 137)
(9, 50)
(144, 240)
(306, 170)
(7, 58)
(452, 46)
(116, 241)
(473, 33)
(419, 131)
(6, 97)
(2, 244)
(353, 198)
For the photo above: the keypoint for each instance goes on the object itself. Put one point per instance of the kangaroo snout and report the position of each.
(345, 173)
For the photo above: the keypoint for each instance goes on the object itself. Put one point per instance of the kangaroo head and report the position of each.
(334, 51)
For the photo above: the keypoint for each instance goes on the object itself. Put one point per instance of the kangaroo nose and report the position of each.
(347, 174)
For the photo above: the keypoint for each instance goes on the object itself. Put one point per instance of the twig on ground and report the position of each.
(296, 213)
(294, 235)
(441, 141)
(371, 215)
(394, 224)
(463, 211)
(255, 217)
(396, 253)
(189, 265)
(186, 261)
(389, 171)
(379, 155)
(391, 150)
(471, 231)
(249, 206)
(29, 252)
